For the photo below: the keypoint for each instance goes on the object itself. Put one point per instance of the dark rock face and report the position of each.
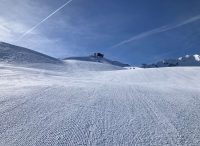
(98, 54)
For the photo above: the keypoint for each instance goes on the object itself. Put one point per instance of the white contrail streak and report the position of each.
(43, 20)
(157, 30)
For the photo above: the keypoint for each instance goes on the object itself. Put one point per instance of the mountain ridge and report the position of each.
(188, 60)
(15, 54)
(97, 59)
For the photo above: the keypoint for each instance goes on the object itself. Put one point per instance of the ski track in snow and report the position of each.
(83, 103)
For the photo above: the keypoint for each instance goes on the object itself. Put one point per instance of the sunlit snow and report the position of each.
(89, 103)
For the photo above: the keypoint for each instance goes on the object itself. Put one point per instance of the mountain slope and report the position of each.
(15, 54)
(84, 102)
(61, 105)
(188, 60)
(98, 59)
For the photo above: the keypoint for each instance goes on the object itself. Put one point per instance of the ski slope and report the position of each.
(89, 103)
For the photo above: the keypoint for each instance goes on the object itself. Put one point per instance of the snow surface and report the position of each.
(188, 60)
(88, 103)
(80, 102)
(98, 59)
(15, 54)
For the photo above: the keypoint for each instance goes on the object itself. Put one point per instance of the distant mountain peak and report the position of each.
(188, 60)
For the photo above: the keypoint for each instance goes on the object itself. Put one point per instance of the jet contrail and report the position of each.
(43, 20)
(157, 30)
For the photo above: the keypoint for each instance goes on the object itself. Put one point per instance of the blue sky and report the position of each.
(130, 31)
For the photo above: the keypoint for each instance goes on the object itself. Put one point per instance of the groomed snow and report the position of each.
(87, 103)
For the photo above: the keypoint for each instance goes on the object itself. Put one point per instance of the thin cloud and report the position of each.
(18, 21)
(162, 56)
(43, 20)
(157, 30)
(3, 28)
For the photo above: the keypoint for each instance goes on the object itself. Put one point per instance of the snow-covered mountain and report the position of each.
(98, 59)
(15, 54)
(188, 60)
(83, 102)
